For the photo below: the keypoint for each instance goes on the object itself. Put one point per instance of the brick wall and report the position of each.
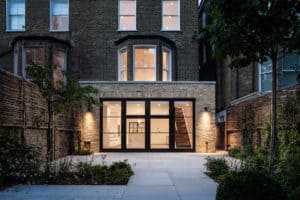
(257, 103)
(23, 107)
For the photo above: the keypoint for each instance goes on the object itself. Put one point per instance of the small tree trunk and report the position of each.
(273, 140)
(49, 136)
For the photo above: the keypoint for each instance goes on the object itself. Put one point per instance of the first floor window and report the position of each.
(144, 63)
(15, 15)
(127, 15)
(288, 67)
(59, 20)
(171, 15)
(123, 65)
(167, 63)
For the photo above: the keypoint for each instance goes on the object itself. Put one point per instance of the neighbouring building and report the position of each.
(243, 95)
(142, 55)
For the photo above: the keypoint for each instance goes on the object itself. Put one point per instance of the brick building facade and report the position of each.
(142, 55)
(239, 89)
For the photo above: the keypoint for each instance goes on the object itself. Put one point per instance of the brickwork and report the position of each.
(93, 32)
(260, 105)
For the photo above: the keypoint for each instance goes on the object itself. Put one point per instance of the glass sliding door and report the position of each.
(135, 125)
(112, 125)
(184, 123)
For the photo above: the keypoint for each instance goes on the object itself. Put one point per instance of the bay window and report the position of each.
(33, 55)
(15, 15)
(171, 15)
(59, 16)
(127, 15)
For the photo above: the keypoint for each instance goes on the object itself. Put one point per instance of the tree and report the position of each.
(60, 97)
(254, 31)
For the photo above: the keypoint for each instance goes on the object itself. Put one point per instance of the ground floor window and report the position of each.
(147, 124)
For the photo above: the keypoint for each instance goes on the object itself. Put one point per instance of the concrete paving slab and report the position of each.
(157, 176)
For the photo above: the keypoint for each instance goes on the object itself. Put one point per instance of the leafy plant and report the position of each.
(82, 152)
(247, 185)
(19, 162)
(235, 152)
(216, 166)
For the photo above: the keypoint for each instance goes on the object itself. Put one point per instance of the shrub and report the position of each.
(19, 162)
(235, 152)
(295, 195)
(248, 185)
(216, 166)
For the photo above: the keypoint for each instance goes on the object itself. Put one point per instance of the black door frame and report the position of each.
(147, 118)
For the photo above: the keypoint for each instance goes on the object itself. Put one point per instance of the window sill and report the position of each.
(119, 30)
(15, 31)
(59, 31)
(162, 30)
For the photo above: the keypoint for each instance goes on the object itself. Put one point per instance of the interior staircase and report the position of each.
(182, 140)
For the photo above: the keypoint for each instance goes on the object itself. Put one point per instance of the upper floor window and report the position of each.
(15, 15)
(127, 15)
(59, 15)
(167, 65)
(289, 67)
(171, 15)
(123, 65)
(144, 63)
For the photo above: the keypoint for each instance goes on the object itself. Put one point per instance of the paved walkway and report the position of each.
(158, 176)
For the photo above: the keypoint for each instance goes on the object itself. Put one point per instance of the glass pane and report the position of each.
(166, 60)
(123, 63)
(60, 7)
(58, 60)
(35, 55)
(16, 22)
(127, 23)
(112, 125)
(111, 109)
(16, 7)
(127, 7)
(149, 75)
(165, 75)
(183, 124)
(170, 7)
(135, 133)
(135, 108)
(159, 134)
(124, 75)
(266, 66)
(291, 62)
(170, 23)
(159, 108)
(139, 74)
(266, 82)
(60, 22)
(145, 57)
(289, 78)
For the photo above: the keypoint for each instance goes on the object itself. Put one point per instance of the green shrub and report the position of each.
(19, 162)
(235, 152)
(216, 166)
(295, 195)
(83, 152)
(248, 185)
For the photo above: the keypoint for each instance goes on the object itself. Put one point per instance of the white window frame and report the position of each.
(51, 20)
(169, 64)
(7, 19)
(119, 16)
(162, 17)
(155, 59)
(260, 78)
(120, 67)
